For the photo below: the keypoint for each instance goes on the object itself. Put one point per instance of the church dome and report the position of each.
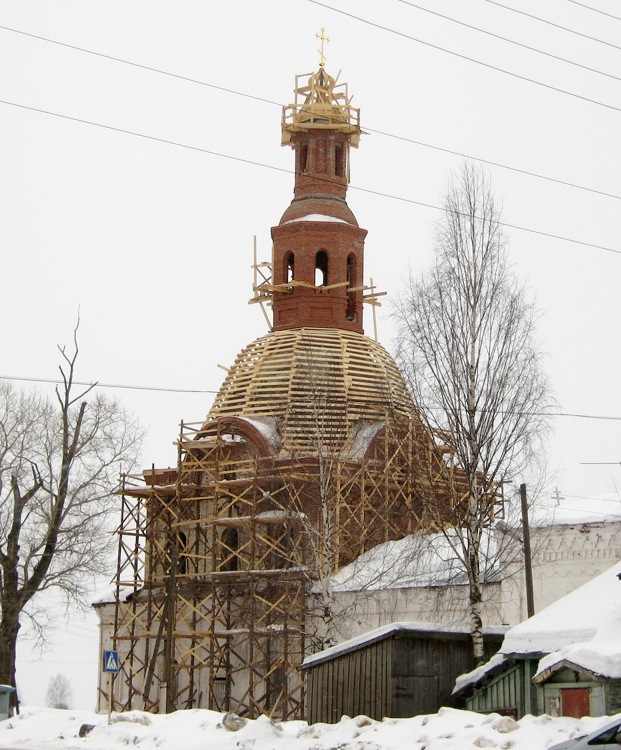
(319, 207)
(313, 387)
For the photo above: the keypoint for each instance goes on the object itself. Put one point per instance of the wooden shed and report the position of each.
(563, 661)
(504, 687)
(568, 688)
(399, 670)
(517, 686)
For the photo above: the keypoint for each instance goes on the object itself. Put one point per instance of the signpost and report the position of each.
(111, 666)
(111, 661)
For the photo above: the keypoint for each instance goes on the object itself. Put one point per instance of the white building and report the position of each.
(420, 579)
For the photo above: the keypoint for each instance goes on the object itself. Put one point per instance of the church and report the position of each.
(311, 455)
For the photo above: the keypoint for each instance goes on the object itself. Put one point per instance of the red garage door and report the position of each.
(575, 702)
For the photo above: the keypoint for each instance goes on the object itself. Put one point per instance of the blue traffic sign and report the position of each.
(110, 661)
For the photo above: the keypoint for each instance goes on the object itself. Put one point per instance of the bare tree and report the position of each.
(59, 694)
(341, 512)
(466, 339)
(59, 469)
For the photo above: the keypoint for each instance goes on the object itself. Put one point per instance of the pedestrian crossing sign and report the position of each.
(111, 661)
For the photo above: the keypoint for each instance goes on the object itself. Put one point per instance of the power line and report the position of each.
(466, 57)
(197, 390)
(511, 41)
(240, 159)
(551, 23)
(586, 497)
(595, 10)
(97, 384)
(560, 509)
(136, 65)
(583, 416)
(492, 163)
(279, 105)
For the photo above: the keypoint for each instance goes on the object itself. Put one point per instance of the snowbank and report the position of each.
(449, 729)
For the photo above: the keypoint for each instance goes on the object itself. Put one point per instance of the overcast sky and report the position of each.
(149, 233)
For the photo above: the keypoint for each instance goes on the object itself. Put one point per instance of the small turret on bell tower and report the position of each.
(318, 246)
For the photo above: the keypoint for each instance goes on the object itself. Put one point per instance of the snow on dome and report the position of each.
(316, 217)
(266, 426)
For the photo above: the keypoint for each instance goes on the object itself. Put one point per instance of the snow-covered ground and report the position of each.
(449, 729)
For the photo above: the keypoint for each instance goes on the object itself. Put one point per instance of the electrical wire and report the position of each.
(58, 381)
(135, 64)
(510, 41)
(279, 105)
(369, 191)
(197, 390)
(551, 23)
(492, 163)
(595, 10)
(466, 57)
(566, 508)
(252, 162)
(586, 497)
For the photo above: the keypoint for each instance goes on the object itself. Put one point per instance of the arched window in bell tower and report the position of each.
(289, 269)
(303, 158)
(339, 164)
(321, 268)
(351, 282)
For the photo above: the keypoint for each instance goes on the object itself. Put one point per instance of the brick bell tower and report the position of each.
(318, 250)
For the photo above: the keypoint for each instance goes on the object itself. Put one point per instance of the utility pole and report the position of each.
(528, 563)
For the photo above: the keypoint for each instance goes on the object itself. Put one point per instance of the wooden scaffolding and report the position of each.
(217, 559)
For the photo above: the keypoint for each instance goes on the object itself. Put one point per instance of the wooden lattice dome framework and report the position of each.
(286, 381)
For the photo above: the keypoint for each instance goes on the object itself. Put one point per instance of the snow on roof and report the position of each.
(104, 596)
(582, 628)
(416, 560)
(316, 217)
(477, 674)
(364, 433)
(108, 596)
(278, 514)
(266, 426)
(384, 631)
(600, 657)
(576, 510)
(590, 613)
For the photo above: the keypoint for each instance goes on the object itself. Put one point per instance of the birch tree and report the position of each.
(59, 468)
(466, 343)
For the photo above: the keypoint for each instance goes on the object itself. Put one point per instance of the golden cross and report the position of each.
(324, 38)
